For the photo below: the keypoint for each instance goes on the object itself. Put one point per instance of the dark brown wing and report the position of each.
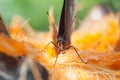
(66, 21)
(3, 27)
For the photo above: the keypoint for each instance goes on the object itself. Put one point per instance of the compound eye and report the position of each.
(63, 41)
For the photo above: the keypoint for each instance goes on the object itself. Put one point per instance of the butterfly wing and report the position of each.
(66, 21)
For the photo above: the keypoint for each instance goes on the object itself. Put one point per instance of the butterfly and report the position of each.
(62, 40)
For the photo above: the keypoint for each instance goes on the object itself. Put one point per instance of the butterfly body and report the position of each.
(65, 26)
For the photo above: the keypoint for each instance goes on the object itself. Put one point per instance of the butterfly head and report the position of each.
(61, 41)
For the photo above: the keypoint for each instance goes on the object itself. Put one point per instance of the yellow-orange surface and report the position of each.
(96, 48)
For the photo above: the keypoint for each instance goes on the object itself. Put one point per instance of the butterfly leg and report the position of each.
(77, 54)
(56, 58)
(51, 43)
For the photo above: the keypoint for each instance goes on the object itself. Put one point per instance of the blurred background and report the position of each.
(35, 10)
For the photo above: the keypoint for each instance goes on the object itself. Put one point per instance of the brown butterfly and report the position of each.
(63, 41)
